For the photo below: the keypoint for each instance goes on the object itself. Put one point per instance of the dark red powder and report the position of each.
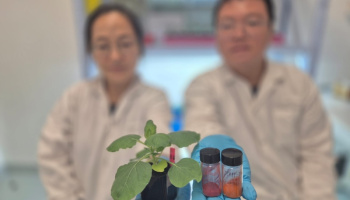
(211, 189)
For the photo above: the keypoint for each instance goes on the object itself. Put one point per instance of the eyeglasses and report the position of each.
(123, 47)
(247, 24)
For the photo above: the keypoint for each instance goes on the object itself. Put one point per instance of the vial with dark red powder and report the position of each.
(211, 179)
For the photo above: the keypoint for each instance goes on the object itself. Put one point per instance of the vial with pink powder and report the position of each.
(211, 179)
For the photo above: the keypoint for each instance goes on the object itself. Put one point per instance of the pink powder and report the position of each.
(211, 189)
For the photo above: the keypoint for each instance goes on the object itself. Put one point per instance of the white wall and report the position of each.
(335, 55)
(2, 143)
(38, 59)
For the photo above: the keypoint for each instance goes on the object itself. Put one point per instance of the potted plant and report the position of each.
(146, 173)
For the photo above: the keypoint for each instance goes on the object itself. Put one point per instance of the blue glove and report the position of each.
(184, 193)
(222, 142)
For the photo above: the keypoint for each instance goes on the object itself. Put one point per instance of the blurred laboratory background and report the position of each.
(42, 53)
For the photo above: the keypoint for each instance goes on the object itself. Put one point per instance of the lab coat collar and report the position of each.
(273, 74)
(273, 78)
(100, 94)
(99, 86)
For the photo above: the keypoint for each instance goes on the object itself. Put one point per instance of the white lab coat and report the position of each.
(284, 130)
(74, 163)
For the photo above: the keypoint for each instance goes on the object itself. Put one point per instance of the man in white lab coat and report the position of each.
(274, 112)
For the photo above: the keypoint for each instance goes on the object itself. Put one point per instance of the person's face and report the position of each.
(243, 32)
(115, 48)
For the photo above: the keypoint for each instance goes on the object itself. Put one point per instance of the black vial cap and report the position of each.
(232, 157)
(210, 155)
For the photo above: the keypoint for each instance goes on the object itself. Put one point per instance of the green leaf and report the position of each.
(160, 166)
(150, 129)
(158, 140)
(130, 180)
(184, 138)
(124, 142)
(184, 171)
(142, 153)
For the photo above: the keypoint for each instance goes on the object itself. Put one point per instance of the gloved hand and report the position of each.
(222, 142)
(184, 193)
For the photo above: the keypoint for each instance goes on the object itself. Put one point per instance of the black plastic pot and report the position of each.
(157, 187)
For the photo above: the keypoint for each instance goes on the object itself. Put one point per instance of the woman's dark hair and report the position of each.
(220, 3)
(113, 7)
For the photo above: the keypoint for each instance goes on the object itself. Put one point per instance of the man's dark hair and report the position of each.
(269, 7)
(107, 8)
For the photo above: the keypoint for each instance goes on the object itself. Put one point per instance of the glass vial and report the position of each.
(211, 179)
(232, 172)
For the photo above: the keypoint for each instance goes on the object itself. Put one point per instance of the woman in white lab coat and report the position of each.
(74, 163)
(272, 111)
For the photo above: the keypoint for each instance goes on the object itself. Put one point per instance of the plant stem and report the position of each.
(139, 141)
(171, 163)
(155, 159)
(143, 157)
